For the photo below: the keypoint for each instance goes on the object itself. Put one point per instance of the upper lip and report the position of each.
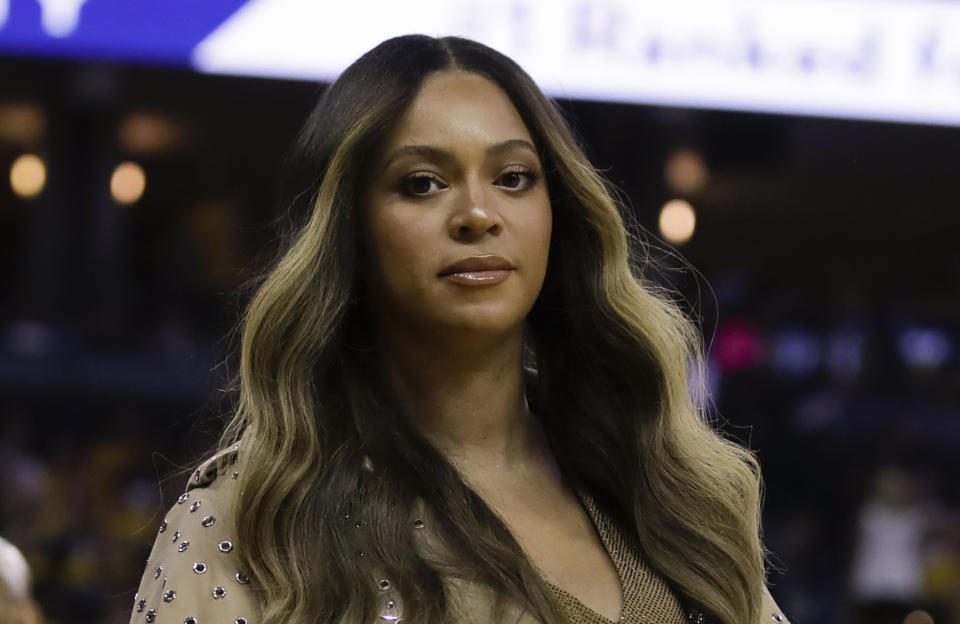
(478, 263)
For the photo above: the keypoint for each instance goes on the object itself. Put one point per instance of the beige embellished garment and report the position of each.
(194, 576)
(647, 599)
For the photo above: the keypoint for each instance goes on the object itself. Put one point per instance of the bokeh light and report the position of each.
(127, 183)
(21, 123)
(149, 133)
(685, 171)
(28, 175)
(677, 221)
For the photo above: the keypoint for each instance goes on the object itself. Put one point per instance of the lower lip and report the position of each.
(479, 278)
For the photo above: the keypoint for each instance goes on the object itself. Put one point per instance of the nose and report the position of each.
(474, 216)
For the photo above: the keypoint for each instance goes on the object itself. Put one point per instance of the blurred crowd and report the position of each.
(81, 498)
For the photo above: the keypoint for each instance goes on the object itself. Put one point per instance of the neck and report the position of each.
(467, 400)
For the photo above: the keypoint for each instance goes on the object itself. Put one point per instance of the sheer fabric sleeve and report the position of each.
(193, 574)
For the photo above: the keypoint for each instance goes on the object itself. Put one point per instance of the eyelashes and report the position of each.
(524, 178)
(423, 184)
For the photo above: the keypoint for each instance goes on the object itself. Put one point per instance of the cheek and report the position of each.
(540, 228)
(397, 249)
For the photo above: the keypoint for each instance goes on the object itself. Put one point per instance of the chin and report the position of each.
(483, 321)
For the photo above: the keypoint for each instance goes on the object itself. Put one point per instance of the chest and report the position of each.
(563, 543)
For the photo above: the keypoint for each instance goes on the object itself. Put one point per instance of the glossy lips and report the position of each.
(478, 270)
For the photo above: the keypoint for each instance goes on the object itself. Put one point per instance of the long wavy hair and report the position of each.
(332, 468)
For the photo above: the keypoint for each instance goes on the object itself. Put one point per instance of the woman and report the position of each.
(458, 400)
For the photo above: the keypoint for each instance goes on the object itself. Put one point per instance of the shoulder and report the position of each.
(193, 574)
(213, 467)
(769, 611)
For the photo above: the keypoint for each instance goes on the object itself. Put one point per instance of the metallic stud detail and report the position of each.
(219, 592)
(358, 524)
(199, 567)
(196, 475)
(183, 498)
(141, 605)
(208, 521)
(163, 526)
(384, 585)
(190, 620)
(360, 554)
(240, 620)
(176, 536)
(418, 523)
(777, 617)
(234, 476)
(157, 572)
(169, 595)
(225, 546)
(195, 505)
(390, 613)
(241, 578)
(151, 616)
(183, 546)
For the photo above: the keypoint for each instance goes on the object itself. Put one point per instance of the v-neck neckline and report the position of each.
(590, 507)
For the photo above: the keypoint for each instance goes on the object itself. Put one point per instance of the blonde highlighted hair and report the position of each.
(611, 351)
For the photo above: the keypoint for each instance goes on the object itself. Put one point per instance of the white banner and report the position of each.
(871, 59)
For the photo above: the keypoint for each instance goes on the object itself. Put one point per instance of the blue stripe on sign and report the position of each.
(153, 31)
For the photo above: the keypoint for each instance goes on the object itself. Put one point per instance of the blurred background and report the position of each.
(809, 174)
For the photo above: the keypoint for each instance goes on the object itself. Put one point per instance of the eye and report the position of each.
(420, 185)
(517, 179)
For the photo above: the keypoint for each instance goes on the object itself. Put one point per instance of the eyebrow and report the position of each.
(438, 153)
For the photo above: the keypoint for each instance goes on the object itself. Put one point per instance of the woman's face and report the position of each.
(458, 220)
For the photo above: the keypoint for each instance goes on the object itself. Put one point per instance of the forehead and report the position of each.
(457, 108)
